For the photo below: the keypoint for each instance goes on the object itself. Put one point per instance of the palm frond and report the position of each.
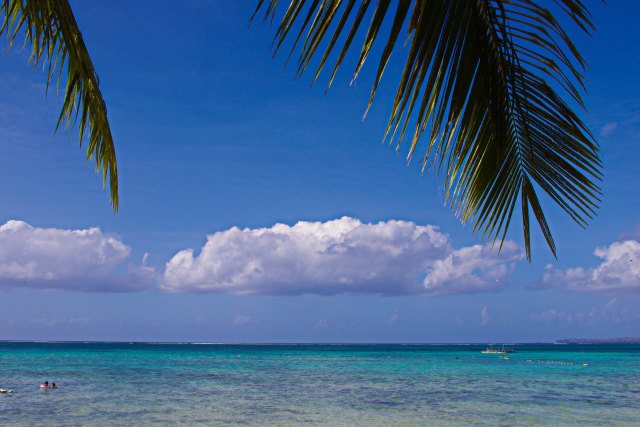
(55, 40)
(480, 77)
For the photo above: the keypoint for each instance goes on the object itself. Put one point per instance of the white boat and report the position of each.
(491, 350)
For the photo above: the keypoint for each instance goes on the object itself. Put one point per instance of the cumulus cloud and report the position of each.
(484, 316)
(338, 256)
(617, 274)
(79, 260)
(472, 269)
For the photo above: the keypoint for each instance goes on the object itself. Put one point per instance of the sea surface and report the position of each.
(144, 383)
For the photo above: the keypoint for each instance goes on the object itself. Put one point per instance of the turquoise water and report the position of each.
(125, 384)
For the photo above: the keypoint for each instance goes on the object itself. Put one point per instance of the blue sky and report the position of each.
(254, 208)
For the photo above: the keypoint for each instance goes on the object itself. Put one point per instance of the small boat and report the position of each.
(491, 350)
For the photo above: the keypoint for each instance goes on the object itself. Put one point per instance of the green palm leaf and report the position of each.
(480, 78)
(53, 33)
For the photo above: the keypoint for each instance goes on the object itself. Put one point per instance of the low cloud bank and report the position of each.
(77, 260)
(613, 311)
(617, 274)
(325, 258)
(335, 257)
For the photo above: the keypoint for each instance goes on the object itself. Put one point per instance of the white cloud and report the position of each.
(617, 274)
(551, 315)
(484, 316)
(612, 311)
(241, 319)
(472, 269)
(339, 256)
(79, 260)
(53, 321)
(394, 317)
(608, 128)
(630, 235)
(322, 324)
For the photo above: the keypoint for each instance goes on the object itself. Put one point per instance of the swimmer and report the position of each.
(45, 385)
(53, 385)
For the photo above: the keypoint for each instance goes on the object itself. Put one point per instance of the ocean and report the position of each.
(318, 384)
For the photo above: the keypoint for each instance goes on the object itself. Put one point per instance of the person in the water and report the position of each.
(45, 385)
(53, 385)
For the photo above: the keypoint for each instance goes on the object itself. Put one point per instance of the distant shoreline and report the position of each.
(626, 340)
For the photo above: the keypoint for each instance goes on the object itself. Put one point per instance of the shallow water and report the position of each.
(138, 383)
